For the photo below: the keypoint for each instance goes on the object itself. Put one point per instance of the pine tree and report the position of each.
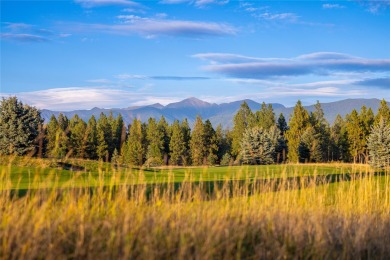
(133, 151)
(282, 124)
(155, 143)
(321, 133)
(383, 112)
(177, 146)
(104, 137)
(51, 132)
(210, 141)
(257, 147)
(243, 119)
(355, 135)
(279, 142)
(367, 119)
(62, 136)
(197, 143)
(265, 117)
(379, 145)
(78, 138)
(187, 138)
(165, 130)
(222, 142)
(299, 121)
(310, 146)
(19, 127)
(118, 133)
(339, 141)
(92, 140)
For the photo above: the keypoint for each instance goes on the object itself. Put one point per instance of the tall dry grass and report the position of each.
(345, 217)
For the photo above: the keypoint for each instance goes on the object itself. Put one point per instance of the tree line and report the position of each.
(257, 137)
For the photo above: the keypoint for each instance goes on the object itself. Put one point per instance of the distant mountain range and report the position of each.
(217, 113)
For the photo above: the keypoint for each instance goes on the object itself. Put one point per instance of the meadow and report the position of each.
(83, 209)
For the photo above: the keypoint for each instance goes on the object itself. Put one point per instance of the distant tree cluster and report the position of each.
(256, 137)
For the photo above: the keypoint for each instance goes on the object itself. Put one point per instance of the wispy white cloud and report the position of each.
(332, 6)
(323, 63)
(97, 3)
(154, 27)
(65, 99)
(173, 78)
(197, 3)
(375, 6)
(291, 17)
(102, 81)
(23, 37)
(28, 33)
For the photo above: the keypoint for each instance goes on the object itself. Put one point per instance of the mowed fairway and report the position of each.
(263, 212)
(35, 177)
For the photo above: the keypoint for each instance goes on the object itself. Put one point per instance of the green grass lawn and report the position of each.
(91, 174)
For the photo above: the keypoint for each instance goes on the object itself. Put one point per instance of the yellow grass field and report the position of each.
(295, 214)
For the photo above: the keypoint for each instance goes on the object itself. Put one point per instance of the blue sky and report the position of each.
(66, 55)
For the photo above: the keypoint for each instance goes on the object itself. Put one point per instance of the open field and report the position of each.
(299, 211)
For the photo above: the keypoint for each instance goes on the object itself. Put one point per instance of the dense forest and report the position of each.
(257, 137)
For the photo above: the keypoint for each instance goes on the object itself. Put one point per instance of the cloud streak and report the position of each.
(332, 6)
(98, 3)
(152, 27)
(323, 63)
(197, 3)
(65, 99)
(173, 78)
(28, 33)
(24, 37)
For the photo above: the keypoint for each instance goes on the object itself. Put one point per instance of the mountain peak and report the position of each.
(190, 102)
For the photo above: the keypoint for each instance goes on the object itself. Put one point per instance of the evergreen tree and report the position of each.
(187, 138)
(265, 117)
(155, 143)
(51, 136)
(78, 138)
(165, 130)
(197, 143)
(243, 119)
(133, 151)
(310, 146)
(222, 142)
(104, 137)
(282, 124)
(177, 144)
(279, 142)
(118, 133)
(257, 147)
(321, 133)
(339, 141)
(62, 137)
(210, 142)
(19, 127)
(379, 145)
(367, 119)
(299, 121)
(92, 139)
(383, 112)
(355, 135)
